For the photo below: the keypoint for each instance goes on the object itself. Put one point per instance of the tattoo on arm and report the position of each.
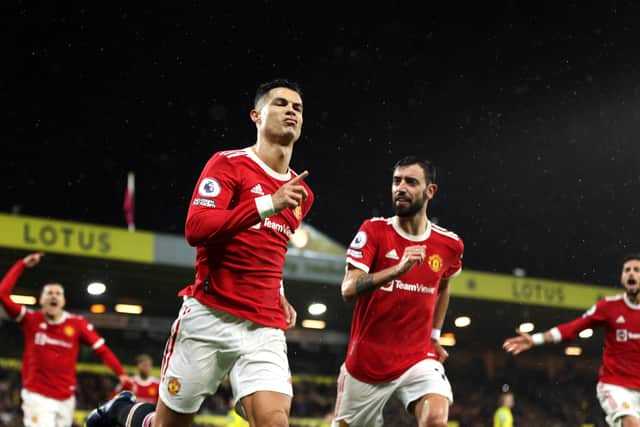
(364, 284)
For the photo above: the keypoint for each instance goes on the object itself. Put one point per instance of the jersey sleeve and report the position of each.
(593, 317)
(362, 249)
(14, 310)
(212, 217)
(89, 336)
(455, 267)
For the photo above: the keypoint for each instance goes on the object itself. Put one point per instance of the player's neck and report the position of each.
(49, 317)
(415, 225)
(276, 156)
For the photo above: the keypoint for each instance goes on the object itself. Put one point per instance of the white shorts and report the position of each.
(42, 411)
(617, 402)
(361, 404)
(207, 344)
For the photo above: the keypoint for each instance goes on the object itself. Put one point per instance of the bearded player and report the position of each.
(398, 272)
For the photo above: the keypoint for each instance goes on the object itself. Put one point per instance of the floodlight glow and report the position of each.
(573, 351)
(317, 308)
(300, 238)
(462, 321)
(448, 339)
(98, 308)
(586, 333)
(96, 288)
(526, 327)
(128, 308)
(23, 299)
(314, 324)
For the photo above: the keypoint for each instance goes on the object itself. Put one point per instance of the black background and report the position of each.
(531, 112)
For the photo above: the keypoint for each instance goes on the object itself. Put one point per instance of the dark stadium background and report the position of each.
(530, 111)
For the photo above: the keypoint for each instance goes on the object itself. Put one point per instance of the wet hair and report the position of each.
(265, 87)
(635, 256)
(427, 166)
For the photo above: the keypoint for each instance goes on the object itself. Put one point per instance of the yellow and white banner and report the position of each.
(74, 238)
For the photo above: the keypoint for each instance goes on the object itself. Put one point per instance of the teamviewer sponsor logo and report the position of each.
(276, 226)
(410, 287)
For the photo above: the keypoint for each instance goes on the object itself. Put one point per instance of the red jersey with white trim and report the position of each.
(391, 327)
(146, 390)
(239, 256)
(620, 319)
(51, 351)
(51, 348)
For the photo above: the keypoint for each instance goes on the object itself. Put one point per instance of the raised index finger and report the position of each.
(299, 178)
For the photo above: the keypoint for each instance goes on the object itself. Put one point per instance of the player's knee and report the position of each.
(437, 419)
(628, 421)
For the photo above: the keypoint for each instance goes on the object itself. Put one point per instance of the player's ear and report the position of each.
(431, 190)
(255, 116)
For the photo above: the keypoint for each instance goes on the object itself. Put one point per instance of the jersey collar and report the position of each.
(279, 176)
(411, 237)
(629, 303)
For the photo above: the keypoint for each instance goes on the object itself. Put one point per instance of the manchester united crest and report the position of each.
(297, 211)
(69, 331)
(173, 386)
(435, 262)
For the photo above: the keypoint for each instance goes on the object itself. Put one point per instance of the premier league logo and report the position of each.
(359, 241)
(209, 187)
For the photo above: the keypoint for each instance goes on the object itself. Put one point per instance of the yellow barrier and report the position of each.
(528, 290)
(74, 238)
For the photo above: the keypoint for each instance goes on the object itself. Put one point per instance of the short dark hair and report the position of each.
(427, 166)
(265, 87)
(142, 357)
(631, 257)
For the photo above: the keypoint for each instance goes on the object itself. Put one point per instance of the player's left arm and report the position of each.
(109, 358)
(89, 336)
(439, 313)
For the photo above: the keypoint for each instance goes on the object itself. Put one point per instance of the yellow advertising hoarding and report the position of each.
(528, 290)
(74, 238)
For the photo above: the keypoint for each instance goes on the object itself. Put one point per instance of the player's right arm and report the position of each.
(9, 281)
(357, 282)
(593, 317)
(210, 218)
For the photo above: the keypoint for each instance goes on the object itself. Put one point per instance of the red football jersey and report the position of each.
(51, 348)
(51, 351)
(621, 321)
(391, 327)
(145, 390)
(239, 255)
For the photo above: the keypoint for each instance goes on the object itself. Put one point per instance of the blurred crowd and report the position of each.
(567, 400)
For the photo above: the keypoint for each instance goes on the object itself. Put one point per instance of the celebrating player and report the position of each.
(52, 338)
(398, 274)
(618, 387)
(245, 206)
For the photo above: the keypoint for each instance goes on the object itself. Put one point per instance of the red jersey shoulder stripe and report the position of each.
(444, 232)
(234, 153)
